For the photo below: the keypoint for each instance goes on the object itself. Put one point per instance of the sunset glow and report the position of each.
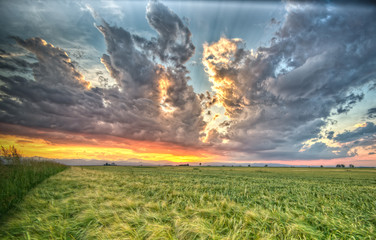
(149, 82)
(135, 152)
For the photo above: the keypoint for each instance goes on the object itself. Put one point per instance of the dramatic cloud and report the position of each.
(174, 42)
(223, 61)
(161, 92)
(54, 66)
(150, 101)
(274, 102)
(280, 96)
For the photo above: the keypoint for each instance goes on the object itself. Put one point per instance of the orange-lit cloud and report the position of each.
(164, 84)
(220, 60)
(276, 103)
(58, 65)
(358, 125)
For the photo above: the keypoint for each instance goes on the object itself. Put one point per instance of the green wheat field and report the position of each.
(197, 203)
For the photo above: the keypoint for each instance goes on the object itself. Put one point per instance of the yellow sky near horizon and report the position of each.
(32, 147)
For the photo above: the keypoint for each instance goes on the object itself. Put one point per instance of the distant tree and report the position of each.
(10, 155)
(321, 166)
(200, 164)
(351, 166)
(266, 165)
(340, 165)
(249, 165)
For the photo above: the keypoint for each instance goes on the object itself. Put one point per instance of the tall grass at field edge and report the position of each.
(18, 176)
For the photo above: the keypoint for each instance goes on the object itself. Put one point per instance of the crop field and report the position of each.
(18, 177)
(198, 203)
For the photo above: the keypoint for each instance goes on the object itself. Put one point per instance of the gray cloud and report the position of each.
(54, 66)
(174, 42)
(371, 113)
(7, 66)
(10, 63)
(318, 150)
(59, 97)
(363, 137)
(366, 132)
(130, 67)
(330, 135)
(139, 77)
(315, 67)
(279, 98)
(349, 102)
(173, 46)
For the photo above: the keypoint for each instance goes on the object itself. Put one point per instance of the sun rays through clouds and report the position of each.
(286, 99)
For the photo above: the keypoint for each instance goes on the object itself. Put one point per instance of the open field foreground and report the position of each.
(198, 203)
(16, 180)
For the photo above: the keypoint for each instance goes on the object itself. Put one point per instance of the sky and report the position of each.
(168, 82)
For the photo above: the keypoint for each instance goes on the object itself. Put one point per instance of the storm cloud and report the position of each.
(269, 103)
(150, 101)
(280, 96)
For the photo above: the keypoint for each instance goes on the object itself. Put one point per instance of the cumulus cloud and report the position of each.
(222, 61)
(161, 90)
(174, 41)
(274, 99)
(173, 46)
(151, 101)
(282, 95)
